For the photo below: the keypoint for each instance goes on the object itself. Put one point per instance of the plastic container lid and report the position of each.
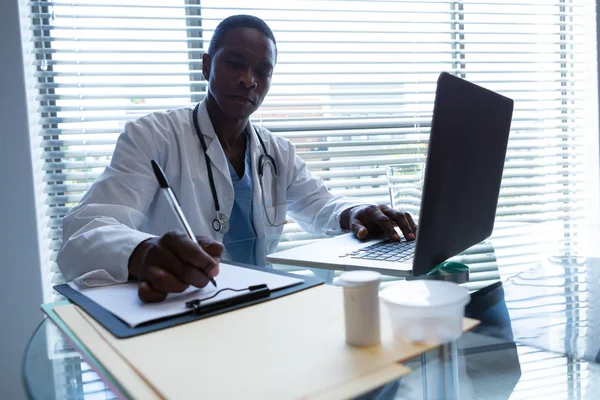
(359, 278)
(425, 293)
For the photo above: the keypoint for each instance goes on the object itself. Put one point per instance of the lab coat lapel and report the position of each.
(255, 152)
(214, 150)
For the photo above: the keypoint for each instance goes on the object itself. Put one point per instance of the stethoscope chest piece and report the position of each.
(221, 223)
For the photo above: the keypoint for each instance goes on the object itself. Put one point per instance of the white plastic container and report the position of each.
(426, 310)
(361, 307)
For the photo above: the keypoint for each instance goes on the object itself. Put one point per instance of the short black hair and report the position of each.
(238, 21)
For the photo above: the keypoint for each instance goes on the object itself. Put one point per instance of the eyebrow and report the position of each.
(263, 64)
(234, 53)
(267, 65)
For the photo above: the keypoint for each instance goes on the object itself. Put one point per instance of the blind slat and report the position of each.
(358, 152)
(410, 138)
(284, 126)
(331, 29)
(323, 10)
(288, 107)
(366, 161)
(385, 39)
(556, 51)
(369, 2)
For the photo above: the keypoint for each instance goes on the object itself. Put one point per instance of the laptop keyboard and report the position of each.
(388, 250)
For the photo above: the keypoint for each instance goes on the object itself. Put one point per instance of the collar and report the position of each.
(208, 131)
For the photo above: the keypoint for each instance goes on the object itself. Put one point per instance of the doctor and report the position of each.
(234, 180)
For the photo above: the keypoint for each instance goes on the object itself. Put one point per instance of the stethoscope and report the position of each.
(221, 222)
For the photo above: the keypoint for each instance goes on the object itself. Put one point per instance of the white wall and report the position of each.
(20, 285)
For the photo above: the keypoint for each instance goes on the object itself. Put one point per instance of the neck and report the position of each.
(228, 130)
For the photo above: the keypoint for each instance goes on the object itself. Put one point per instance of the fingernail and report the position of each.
(395, 236)
(411, 236)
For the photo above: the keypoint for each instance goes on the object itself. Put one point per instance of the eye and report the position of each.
(264, 74)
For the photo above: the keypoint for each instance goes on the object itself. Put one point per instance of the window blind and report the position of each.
(353, 87)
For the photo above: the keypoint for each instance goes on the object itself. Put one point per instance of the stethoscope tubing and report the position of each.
(220, 223)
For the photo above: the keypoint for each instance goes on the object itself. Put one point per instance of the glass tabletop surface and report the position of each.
(534, 287)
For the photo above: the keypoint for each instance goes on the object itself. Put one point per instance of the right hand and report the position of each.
(173, 262)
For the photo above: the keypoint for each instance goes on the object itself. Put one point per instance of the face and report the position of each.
(239, 73)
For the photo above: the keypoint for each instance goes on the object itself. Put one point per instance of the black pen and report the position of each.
(166, 189)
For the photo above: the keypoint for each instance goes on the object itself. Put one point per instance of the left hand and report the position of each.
(370, 218)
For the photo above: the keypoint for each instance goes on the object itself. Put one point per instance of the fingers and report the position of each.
(162, 280)
(211, 247)
(213, 272)
(149, 295)
(156, 283)
(365, 218)
(403, 220)
(173, 262)
(385, 224)
(188, 251)
(412, 224)
(184, 272)
(358, 228)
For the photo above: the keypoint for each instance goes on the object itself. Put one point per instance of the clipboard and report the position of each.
(121, 330)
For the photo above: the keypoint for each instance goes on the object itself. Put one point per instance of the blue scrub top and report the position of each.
(241, 224)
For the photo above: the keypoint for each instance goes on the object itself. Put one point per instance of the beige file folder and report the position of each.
(289, 348)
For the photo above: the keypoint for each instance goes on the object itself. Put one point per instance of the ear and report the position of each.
(206, 64)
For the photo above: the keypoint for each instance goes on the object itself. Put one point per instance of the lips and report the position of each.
(242, 99)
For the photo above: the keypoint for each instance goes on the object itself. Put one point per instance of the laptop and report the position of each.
(465, 161)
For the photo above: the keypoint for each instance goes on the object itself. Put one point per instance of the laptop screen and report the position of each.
(465, 161)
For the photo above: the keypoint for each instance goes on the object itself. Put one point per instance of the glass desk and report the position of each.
(534, 291)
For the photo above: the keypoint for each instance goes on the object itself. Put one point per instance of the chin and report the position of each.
(239, 112)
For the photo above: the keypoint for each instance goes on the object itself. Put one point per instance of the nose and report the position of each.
(248, 80)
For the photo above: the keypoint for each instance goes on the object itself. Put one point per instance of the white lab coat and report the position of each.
(122, 208)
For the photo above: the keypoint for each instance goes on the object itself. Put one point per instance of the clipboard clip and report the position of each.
(195, 304)
(254, 292)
